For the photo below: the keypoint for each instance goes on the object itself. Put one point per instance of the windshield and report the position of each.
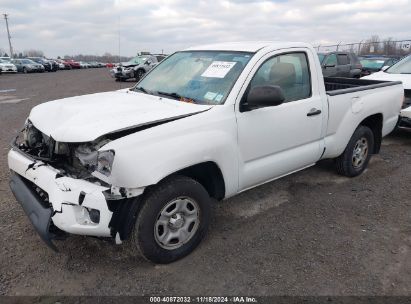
(137, 60)
(372, 63)
(321, 57)
(204, 77)
(401, 67)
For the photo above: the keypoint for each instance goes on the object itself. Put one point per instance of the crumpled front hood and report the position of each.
(85, 118)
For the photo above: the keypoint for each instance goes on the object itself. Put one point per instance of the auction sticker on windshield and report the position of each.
(218, 69)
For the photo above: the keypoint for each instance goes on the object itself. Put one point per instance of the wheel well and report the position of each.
(374, 122)
(209, 175)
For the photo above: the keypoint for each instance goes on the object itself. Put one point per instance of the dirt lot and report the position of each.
(311, 233)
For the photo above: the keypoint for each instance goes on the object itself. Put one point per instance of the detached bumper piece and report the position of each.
(34, 207)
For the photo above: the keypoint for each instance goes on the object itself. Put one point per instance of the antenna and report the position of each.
(8, 35)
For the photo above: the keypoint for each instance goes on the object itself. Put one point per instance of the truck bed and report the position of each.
(337, 85)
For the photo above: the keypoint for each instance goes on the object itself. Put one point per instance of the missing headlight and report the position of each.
(94, 160)
(87, 155)
(105, 162)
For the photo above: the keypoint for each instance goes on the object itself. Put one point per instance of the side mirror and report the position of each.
(148, 62)
(263, 96)
(384, 68)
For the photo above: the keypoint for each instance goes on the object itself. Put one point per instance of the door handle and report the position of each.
(313, 112)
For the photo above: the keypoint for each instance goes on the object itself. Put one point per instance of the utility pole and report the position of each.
(8, 35)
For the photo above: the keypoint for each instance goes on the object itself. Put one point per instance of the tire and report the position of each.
(188, 203)
(139, 74)
(357, 154)
(24, 70)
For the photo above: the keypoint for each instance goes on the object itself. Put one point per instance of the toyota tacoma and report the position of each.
(142, 165)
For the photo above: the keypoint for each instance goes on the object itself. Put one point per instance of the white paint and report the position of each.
(250, 148)
(404, 78)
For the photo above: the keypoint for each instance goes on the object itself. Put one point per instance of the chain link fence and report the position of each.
(388, 47)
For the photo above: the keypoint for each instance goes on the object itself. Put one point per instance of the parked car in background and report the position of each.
(400, 71)
(49, 66)
(56, 64)
(110, 65)
(73, 64)
(27, 66)
(206, 124)
(93, 64)
(63, 65)
(372, 64)
(136, 68)
(84, 65)
(7, 67)
(340, 64)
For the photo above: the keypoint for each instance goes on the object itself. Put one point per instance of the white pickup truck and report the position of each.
(141, 165)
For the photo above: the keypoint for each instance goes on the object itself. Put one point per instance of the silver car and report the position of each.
(135, 68)
(7, 67)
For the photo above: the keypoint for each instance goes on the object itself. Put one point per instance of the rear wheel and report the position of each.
(357, 154)
(172, 221)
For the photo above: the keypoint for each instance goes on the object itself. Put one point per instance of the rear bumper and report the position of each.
(70, 200)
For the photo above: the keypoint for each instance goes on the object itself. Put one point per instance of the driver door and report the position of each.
(277, 140)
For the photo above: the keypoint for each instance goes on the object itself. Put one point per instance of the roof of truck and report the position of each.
(247, 46)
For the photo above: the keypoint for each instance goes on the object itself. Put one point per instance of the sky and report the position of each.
(70, 27)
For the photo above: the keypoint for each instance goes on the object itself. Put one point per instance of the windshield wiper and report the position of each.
(141, 89)
(174, 95)
(177, 96)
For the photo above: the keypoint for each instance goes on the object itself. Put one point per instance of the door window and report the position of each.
(343, 59)
(331, 60)
(290, 72)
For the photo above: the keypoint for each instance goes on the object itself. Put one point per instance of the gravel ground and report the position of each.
(311, 233)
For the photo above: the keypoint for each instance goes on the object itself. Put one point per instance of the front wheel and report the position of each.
(357, 154)
(139, 74)
(173, 220)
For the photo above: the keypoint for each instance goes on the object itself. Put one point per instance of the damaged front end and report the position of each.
(77, 160)
(63, 187)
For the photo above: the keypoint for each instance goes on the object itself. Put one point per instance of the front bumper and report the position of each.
(122, 74)
(35, 209)
(69, 200)
(8, 70)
